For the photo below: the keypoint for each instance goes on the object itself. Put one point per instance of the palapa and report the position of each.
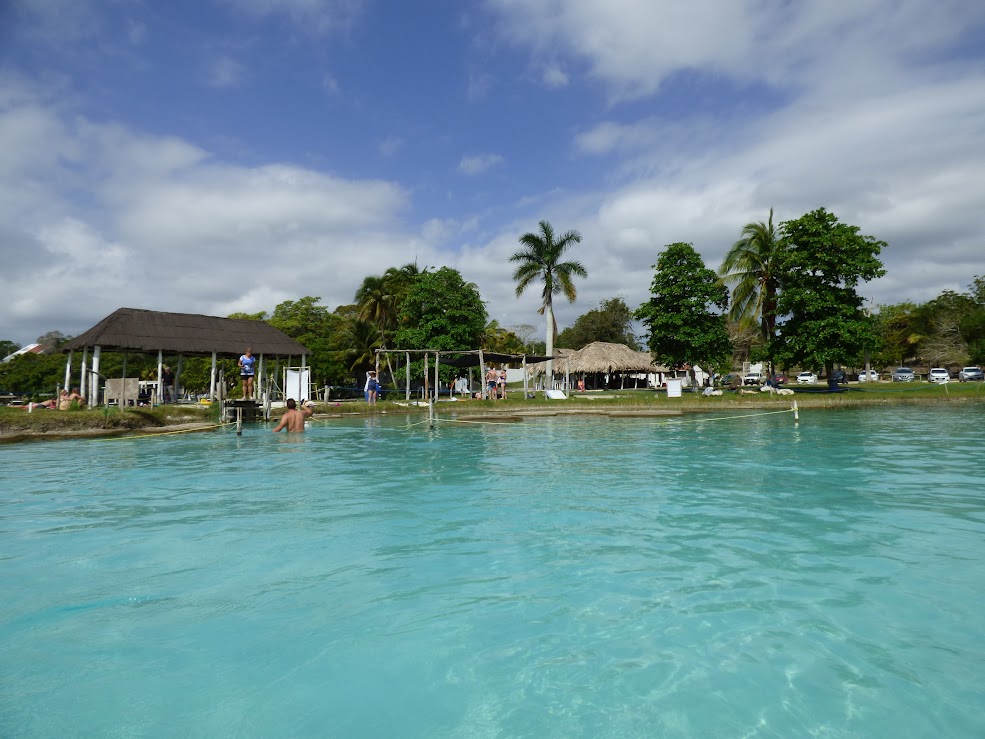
(603, 357)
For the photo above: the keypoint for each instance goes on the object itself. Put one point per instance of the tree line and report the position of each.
(786, 294)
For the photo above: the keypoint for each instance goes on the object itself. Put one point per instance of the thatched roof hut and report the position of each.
(147, 331)
(607, 358)
(186, 334)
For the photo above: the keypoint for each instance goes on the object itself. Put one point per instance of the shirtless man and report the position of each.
(492, 378)
(293, 419)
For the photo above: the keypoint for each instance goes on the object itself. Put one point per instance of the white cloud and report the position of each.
(136, 32)
(390, 146)
(166, 227)
(225, 72)
(478, 164)
(315, 15)
(554, 76)
(633, 46)
(478, 86)
(330, 84)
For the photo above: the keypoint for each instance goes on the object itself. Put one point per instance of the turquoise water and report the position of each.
(562, 577)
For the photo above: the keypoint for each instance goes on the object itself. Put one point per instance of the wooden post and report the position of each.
(68, 370)
(407, 389)
(426, 368)
(524, 376)
(83, 377)
(159, 395)
(482, 376)
(93, 397)
(212, 379)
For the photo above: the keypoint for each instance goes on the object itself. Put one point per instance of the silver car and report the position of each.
(939, 374)
(971, 374)
(903, 374)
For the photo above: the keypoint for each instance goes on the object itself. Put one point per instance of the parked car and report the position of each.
(731, 379)
(903, 374)
(971, 374)
(939, 374)
(870, 376)
(753, 378)
(807, 378)
(780, 378)
(839, 376)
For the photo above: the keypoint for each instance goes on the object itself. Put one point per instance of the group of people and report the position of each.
(496, 384)
(63, 402)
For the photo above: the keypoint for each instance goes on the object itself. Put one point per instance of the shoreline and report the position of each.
(96, 424)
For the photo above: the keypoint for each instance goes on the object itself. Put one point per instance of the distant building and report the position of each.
(29, 349)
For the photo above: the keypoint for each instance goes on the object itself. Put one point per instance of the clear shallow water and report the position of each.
(556, 578)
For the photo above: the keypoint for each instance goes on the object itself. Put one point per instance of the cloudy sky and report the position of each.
(211, 156)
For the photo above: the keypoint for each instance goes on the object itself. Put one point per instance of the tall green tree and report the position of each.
(311, 324)
(379, 299)
(822, 265)
(7, 348)
(611, 322)
(973, 324)
(442, 311)
(751, 268)
(540, 261)
(684, 317)
(501, 340)
(896, 334)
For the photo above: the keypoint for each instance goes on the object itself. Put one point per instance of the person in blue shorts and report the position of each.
(247, 369)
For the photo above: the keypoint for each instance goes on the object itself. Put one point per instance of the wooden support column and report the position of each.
(482, 376)
(93, 397)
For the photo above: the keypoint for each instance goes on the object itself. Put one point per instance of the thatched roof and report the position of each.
(601, 356)
(133, 329)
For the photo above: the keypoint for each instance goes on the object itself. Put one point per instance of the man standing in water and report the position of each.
(293, 419)
(247, 363)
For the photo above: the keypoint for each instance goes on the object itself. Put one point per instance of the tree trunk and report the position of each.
(549, 312)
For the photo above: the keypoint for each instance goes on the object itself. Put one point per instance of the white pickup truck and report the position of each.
(753, 378)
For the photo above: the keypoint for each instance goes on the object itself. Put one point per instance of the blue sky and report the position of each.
(226, 155)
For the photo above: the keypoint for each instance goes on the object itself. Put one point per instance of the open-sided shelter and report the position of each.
(464, 359)
(185, 334)
(604, 358)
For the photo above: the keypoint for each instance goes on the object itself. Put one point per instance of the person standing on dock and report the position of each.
(247, 369)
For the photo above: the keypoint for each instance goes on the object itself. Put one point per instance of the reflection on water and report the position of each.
(557, 577)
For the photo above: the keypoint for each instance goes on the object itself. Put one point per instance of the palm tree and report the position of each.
(541, 260)
(379, 300)
(752, 267)
(359, 342)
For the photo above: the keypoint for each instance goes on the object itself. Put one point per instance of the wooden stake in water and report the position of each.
(796, 413)
(239, 422)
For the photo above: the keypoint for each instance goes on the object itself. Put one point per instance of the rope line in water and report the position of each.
(748, 415)
(421, 423)
(160, 433)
